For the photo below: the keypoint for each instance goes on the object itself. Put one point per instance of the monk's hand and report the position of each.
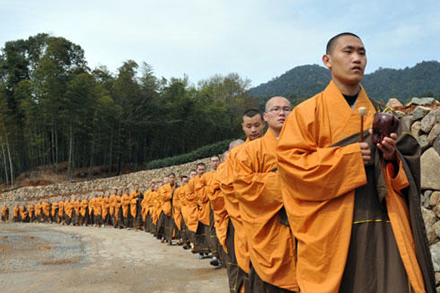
(366, 152)
(388, 147)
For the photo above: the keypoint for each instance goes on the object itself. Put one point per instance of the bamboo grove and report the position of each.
(54, 109)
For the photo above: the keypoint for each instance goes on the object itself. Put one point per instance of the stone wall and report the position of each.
(425, 126)
(57, 191)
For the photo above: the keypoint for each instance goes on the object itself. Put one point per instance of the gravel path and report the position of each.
(51, 258)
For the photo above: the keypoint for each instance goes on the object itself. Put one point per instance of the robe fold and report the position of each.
(271, 244)
(192, 212)
(221, 216)
(232, 207)
(331, 203)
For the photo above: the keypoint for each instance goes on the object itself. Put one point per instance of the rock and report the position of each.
(429, 217)
(436, 228)
(406, 122)
(429, 120)
(423, 141)
(426, 198)
(435, 253)
(436, 145)
(420, 112)
(434, 198)
(394, 104)
(430, 234)
(434, 133)
(430, 166)
(437, 279)
(415, 129)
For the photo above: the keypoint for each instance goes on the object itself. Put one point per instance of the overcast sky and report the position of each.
(257, 39)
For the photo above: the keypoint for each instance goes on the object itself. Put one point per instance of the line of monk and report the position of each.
(311, 205)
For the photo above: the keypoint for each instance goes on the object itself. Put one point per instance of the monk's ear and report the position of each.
(326, 59)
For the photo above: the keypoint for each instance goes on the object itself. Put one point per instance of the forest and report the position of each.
(54, 108)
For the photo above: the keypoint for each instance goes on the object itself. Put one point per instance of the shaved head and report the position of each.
(332, 42)
(274, 100)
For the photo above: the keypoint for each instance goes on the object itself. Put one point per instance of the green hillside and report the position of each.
(302, 82)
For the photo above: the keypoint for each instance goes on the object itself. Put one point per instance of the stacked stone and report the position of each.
(423, 116)
(63, 190)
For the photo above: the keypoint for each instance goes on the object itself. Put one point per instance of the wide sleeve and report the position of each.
(316, 172)
(259, 191)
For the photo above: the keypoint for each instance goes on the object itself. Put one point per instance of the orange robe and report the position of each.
(68, 206)
(192, 212)
(97, 207)
(118, 204)
(91, 205)
(125, 203)
(4, 212)
(83, 207)
(31, 211)
(221, 216)
(61, 211)
(105, 207)
(165, 196)
(232, 207)
(271, 244)
(155, 207)
(112, 204)
(46, 208)
(177, 208)
(318, 185)
(38, 210)
(76, 207)
(201, 189)
(145, 204)
(134, 196)
(54, 208)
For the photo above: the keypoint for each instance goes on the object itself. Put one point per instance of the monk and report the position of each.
(354, 207)
(206, 216)
(165, 223)
(177, 209)
(5, 213)
(38, 211)
(118, 210)
(146, 205)
(112, 205)
(271, 244)
(125, 205)
(68, 211)
(135, 210)
(54, 212)
(24, 215)
(31, 211)
(155, 206)
(105, 209)
(253, 127)
(45, 207)
(61, 212)
(196, 230)
(97, 209)
(84, 212)
(219, 214)
(186, 209)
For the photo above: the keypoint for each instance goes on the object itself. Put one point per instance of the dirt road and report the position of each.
(51, 258)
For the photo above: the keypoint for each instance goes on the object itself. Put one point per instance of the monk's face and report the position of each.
(347, 60)
(172, 179)
(184, 181)
(214, 163)
(192, 174)
(278, 108)
(200, 170)
(253, 127)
